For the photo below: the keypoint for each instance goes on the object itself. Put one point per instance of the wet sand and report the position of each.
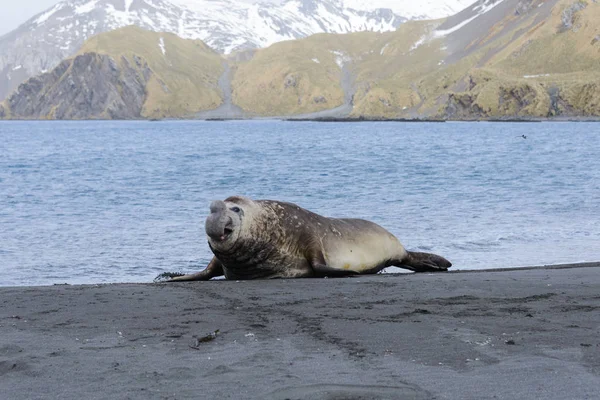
(518, 334)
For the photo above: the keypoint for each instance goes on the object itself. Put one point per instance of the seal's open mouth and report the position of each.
(226, 231)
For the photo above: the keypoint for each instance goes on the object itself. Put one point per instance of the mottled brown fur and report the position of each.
(273, 239)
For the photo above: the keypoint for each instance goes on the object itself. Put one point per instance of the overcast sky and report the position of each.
(14, 12)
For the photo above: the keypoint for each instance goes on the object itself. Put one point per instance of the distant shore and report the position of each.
(527, 333)
(335, 119)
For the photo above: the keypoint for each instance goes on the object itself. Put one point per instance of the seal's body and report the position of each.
(273, 239)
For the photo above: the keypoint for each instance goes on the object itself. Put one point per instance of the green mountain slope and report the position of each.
(549, 67)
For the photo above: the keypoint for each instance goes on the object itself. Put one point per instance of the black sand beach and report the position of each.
(518, 334)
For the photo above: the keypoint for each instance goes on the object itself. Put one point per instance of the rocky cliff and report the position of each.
(124, 74)
(90, 85)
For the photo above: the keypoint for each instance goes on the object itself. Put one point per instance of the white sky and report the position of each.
(14, 12)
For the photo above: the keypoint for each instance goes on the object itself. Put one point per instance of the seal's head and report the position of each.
(227, 221)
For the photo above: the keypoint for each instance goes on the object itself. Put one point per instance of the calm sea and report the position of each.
(91, 202)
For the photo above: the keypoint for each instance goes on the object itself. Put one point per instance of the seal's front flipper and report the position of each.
(424, 262)
(213, 269)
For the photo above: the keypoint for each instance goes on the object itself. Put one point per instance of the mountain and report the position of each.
(497, 59)
(225, 25)
(122, 74)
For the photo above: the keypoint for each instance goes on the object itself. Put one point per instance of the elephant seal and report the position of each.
(258, 239)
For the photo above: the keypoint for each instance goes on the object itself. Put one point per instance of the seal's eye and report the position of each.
(235, 209)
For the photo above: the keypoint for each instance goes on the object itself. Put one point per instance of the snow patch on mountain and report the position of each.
(480, 9)
(341, 58)
(86, 8)
(535, 76)
(382, 51)
(446, 32)
(485, 7)
(419, 42)
(45, 15)
(411, 9)
(161, 44)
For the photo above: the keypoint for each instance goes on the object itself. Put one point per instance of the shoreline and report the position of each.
(584, 264)
(527, 333)
(327, 119)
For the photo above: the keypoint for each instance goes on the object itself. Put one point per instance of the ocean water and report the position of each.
(92, 202)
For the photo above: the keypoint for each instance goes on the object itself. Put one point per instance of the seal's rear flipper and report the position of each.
(424, 262)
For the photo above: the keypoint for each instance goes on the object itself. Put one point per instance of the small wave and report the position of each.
(510, 237)
(19, 166)
(476, 245)
(423, 248)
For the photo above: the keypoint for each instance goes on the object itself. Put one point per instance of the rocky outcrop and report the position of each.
(569, 15)
(523, 100)
(462, 106)
(505, 101)
(89, 86)
(583, 99)
(523, 6)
